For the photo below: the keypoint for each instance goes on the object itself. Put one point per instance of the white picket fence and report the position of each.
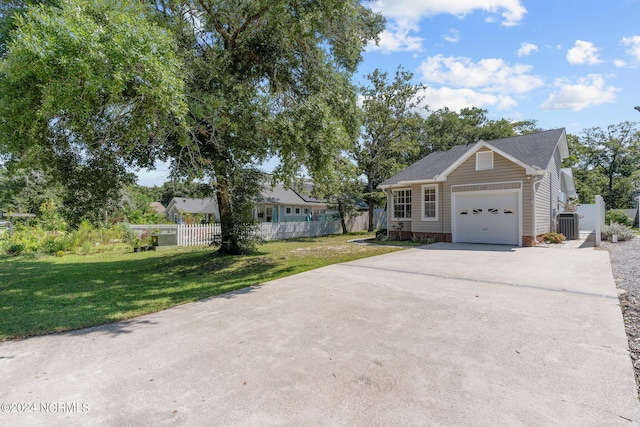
(204, 234)
(197, 234)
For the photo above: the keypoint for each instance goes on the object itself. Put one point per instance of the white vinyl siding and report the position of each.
(402, 205)
(546, 196)
(429, 202)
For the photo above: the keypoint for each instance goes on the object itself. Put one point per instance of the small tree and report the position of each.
(391, 124)
(342, 189)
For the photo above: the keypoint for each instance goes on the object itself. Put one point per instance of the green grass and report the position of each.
(41, 295)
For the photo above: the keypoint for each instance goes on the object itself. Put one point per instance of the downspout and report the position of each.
(537, 180)
(387, 192)
(533, 208)
(551, 204)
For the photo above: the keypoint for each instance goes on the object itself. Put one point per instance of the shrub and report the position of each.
(53, 243)
(553, 238)
(381, 234)
(423, 239)
(27, 237)
(15, 249)
(623, 232)
(619, 216)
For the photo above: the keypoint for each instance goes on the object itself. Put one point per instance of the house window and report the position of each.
(429, 202)
(484, 160)
(287, 210)
(402, 204)
(306, 211)
(297, 211)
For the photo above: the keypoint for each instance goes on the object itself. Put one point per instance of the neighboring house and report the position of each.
(158, 208)
(281, 203)
(181, 208)
(277, 204)
(506, 191)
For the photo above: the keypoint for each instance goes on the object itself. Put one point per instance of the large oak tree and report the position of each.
(266, 78)
(98, 85)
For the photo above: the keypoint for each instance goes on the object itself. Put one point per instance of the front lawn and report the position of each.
(40, 295)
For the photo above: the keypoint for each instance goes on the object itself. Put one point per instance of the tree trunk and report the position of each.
(342, 218)
(370, 202)
(229, 242)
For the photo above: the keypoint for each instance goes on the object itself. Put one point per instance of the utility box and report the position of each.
(568, 223)
(164, 239)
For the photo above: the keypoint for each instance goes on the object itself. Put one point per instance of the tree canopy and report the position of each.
(391, 123)
(218, 86)
(606, 162)
(266, 79)
(444, 129)
(86, 91)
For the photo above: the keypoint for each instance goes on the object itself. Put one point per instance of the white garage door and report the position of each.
(487, 218)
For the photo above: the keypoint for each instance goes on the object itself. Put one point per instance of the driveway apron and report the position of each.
(447, 334)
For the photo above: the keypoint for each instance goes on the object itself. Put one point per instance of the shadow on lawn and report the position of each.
(49, 295)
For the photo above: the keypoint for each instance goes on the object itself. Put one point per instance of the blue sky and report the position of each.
(570, 64)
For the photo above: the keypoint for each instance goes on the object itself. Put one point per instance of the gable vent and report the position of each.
(484, 160)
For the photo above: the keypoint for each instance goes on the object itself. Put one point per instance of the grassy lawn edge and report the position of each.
(44, 294)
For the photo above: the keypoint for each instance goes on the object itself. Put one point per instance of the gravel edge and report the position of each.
(625, 265)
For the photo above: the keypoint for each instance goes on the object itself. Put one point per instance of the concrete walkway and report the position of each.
(442, 335)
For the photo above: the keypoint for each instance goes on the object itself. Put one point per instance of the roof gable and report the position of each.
(194, 206)
(283, 195)
(531, 151)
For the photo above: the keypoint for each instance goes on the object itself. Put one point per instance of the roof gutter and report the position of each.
(405, 183)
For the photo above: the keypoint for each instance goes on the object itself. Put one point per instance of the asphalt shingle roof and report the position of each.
(203, 206)
(282, 195)
(533, 149)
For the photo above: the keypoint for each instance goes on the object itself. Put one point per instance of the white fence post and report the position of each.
(599, 219)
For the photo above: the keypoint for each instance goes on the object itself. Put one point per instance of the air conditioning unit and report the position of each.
(568, 223)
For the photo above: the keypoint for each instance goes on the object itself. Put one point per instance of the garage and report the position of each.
(487, 217)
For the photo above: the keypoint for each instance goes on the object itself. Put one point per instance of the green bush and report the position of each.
(623, 232)
(36, 239)
(618, 216)
(15, 249)
(27, 237)
(54, 242)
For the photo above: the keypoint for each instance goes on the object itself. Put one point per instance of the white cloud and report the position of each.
(619, 63)
(512, 11)
(452, 36)
(586, 92)
(490, 75)
(634, 46)
(456, 99)
(526, 49)
(396, 38)
(583, 53)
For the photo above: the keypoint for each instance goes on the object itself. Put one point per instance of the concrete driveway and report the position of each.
(444, 335)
